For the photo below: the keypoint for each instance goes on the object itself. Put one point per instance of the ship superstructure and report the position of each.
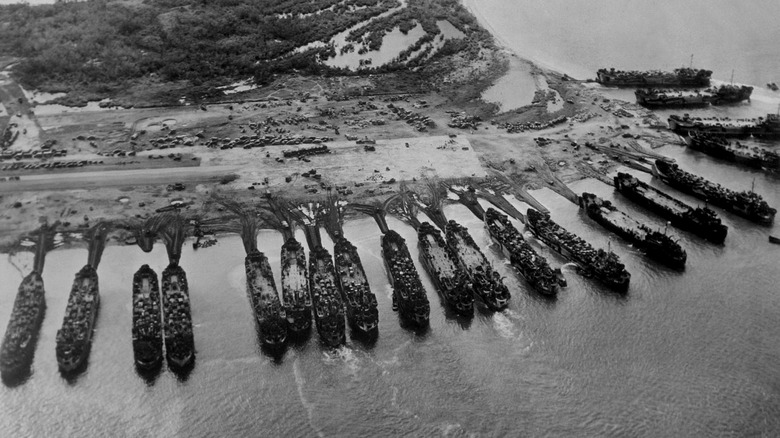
(604, 265)
(702, 221)
(655, 244)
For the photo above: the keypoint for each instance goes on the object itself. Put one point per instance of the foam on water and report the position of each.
(300, 384)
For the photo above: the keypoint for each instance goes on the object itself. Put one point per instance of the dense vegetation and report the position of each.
(101, 46)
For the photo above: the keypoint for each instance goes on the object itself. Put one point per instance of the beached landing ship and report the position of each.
(296, 300)
(361, 303)
(409, 297)
(408, 292)
(440, 263)
(147, 319)
(749, 205)
(74, 339)
(438, 258)
(723, 94)
(533, 267)
(20, 338)
(177, 319)
(701, 221)
(295, 286)
(761, 127)
(601, 264)
(680, 77)
(362, 312)
(328, 306)
(736, 152)
(486, 283)
(268, 311)
(656, 245)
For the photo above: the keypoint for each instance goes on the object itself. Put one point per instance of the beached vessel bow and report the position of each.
(747, 204)
(604, 265)
(266, 306)
(486, 283)
(688, 77)
(295, 287)
(177, 318)
(21, 335)
(440, 262)
(533, 267)
(653, 243)
(147, 319)
(326, 299)
(702, 221)
(408, 292)
(361, 303)
(74, 338)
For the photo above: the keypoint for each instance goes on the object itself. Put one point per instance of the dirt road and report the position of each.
(117, 178)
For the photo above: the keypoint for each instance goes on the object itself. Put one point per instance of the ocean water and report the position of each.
(690, 353)
(579, 37)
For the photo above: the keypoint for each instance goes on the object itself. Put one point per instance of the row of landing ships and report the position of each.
(682, 87)
(332, 290)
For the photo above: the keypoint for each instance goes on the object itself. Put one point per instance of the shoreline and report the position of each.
(504, 45)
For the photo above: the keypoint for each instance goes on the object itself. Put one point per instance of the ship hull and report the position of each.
(74, 341)
(452, 288)
(653, 101)
(678, 78)
(448, 292)
(641, 240)
(768, 128)
(619, 284)
(147, 320)
(721, 200)
(757, 158)
(327, 304)
(725, 94)
(523, 262)
(486, 284)
(408, 293)
(524, 272)
(361, 303)
(295, 288)
(21, 336)
(715, 233)
(266, 307)
(177, 317)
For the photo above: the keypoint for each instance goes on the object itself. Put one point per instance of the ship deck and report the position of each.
(470, 256)
(440, 259)
(262, 285)
(622, 220)
(294, 277)
(674, 205)
(351, 272)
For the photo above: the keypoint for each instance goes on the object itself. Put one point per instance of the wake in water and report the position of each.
(300, 383)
